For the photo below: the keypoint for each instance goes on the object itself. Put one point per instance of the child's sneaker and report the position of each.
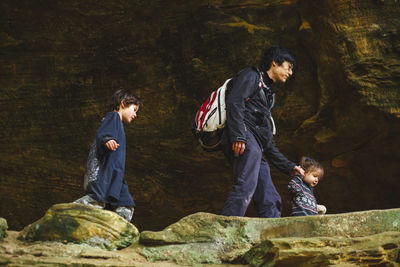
(125, 212)
(88, 200)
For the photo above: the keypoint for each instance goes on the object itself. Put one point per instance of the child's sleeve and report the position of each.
(294, 184)
(108, 130)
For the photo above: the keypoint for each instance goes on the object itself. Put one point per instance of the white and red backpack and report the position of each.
(212, 114)
(210, 119)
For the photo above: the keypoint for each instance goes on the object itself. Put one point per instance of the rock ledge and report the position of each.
(83, 225)
(208, 238)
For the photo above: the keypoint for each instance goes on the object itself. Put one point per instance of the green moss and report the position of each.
(264, 254)
(3, 228)
(57, 227)
(127, 238)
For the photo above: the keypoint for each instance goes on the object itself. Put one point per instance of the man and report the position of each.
(249, 135)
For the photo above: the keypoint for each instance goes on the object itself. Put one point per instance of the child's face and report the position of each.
(311, 178)
(128, 114)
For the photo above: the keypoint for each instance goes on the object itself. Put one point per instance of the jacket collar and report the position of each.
(267, 80)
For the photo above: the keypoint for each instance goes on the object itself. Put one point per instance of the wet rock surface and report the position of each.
(78, 223)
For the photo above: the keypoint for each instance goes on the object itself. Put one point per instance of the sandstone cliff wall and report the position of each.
(60, 61)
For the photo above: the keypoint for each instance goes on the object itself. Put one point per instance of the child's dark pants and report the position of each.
(252, 178)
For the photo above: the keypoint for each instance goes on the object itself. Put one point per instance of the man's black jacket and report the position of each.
(247, 109)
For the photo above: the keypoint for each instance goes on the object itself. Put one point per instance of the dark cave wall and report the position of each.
(61, 61)
(356, 49)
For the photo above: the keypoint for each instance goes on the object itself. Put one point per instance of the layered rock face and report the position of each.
(369, 238)
(295, 241)
(61, 61)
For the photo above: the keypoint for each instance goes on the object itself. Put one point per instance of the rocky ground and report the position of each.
(370, 238)
(61, 61)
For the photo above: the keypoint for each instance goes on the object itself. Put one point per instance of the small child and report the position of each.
(301, 189)
(104, 181)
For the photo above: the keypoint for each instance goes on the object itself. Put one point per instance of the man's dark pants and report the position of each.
(252, 178)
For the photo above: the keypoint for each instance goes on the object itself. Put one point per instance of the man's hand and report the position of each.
(238, 148)
(112, 145)
(298, 170)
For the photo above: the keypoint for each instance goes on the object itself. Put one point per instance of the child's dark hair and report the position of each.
(311, 165)
(277, 54)
(126, 98)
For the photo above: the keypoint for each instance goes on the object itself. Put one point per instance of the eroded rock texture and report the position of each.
(82, 224)
(61, 60)
(368, 238)
(359, 237)
(380, 249)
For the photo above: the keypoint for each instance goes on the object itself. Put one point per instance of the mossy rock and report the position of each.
(3, 228)
(84, 225)
(205, 227)
(209, 238)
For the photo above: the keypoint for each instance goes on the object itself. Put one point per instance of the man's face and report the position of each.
(280, 73)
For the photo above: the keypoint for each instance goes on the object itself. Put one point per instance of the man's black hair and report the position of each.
(277, 54)
(124, 97)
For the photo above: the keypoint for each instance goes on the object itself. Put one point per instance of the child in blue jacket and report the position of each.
(104, 181)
